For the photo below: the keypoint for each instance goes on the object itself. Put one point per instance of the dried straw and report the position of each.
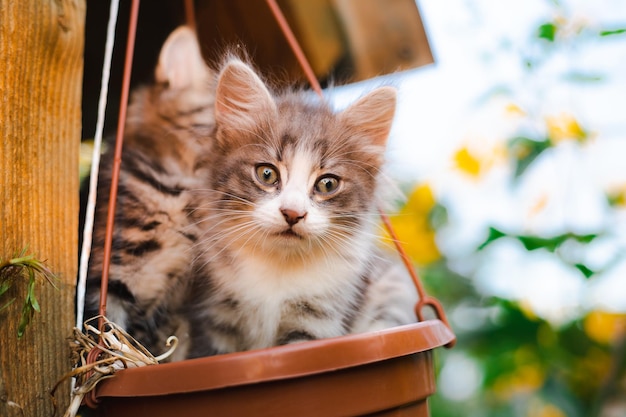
(118, 351)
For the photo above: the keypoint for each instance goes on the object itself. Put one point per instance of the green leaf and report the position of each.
(583, 238)
(585, 270)
(27, 314)
(552, 243)
(612, 32)
(535, 242)
(494, 234)
(21, 259)
(531, 242)
(547, 31)
(32, 300)
(525, 151)
(35, 304)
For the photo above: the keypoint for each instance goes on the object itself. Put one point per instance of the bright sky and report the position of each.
(477, 46)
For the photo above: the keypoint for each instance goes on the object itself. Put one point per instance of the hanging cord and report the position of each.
(117, 159)
(95, 167)
(190, 14)
(295, 46)
(94, 353)
(424, 299)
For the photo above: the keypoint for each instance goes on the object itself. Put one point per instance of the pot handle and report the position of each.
(424, 299)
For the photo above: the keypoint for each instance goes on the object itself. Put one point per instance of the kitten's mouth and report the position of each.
(290, 234)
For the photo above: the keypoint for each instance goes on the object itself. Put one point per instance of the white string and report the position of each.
(95, 164)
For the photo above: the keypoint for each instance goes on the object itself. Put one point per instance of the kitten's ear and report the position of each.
(180, 61)
(373, 114)
(241, 96)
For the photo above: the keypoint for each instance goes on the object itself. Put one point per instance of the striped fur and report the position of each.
(167, 138)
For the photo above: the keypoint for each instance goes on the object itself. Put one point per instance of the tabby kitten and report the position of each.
(167, 138)
(289, 249)
(246, 218)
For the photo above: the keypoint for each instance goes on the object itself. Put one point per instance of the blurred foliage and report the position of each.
(508, 361)
(528, 366)
(524, 150)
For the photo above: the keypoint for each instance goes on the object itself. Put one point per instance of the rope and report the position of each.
(117, 159)
(295, 46)
(190, 14)
(95, 167)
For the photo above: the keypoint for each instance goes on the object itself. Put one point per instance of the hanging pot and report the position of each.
(384, 373)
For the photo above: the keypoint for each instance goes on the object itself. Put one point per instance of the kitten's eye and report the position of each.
(327, 185)
(267, 174)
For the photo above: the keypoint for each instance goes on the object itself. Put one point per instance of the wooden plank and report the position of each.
(246, 26)
(41, 45)
(384, 35)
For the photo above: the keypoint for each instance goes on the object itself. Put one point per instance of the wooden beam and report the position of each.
(41, 47)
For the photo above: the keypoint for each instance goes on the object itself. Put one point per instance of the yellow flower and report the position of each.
(468, 162)
(479, 159)
(412, 227)
(565, 127)
(421, 201)
(604, 327)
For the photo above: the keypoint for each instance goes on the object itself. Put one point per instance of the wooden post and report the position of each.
(41, 64)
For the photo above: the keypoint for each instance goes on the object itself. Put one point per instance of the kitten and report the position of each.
(245, 218)
(167, 137)
(289, 252)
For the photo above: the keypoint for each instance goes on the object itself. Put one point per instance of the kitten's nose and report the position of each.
(292, 216)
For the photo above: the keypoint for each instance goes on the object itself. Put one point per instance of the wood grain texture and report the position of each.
(41, 45)
(384, 35)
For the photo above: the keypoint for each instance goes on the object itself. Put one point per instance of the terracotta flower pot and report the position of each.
(385, 373)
